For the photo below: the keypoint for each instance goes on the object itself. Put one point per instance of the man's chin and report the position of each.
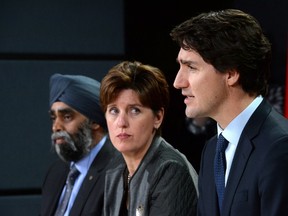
(69, 158)
(189, 113)
(61, 155)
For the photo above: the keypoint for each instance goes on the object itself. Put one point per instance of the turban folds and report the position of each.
(79, 92)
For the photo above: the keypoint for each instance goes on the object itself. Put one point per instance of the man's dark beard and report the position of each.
(76, 145)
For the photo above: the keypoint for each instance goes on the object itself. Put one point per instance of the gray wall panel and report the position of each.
(20, 206)
(62, 27)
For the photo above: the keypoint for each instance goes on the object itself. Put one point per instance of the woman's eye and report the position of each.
(135, 110)
(113, 110)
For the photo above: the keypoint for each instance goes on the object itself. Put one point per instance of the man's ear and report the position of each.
(94, 125)
(232, 77)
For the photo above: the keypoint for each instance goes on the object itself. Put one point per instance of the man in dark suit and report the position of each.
(224, 63)
(79, 136)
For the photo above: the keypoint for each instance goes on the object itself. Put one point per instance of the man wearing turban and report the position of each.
(79, 137)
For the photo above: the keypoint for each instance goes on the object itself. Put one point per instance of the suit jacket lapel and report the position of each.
(243, 152)
(241, 157)
(214, 206)
(85, 190)
(113, 188)
(57, 189)
(92, 176)
(209, 200)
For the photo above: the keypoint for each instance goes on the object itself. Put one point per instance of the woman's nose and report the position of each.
(122, 120)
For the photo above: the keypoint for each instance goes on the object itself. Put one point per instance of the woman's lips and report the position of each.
(123, 136)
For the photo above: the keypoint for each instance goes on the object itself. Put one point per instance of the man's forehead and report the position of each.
(61, 107)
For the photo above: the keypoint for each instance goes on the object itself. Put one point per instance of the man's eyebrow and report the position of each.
(62, 111)
(187, 62)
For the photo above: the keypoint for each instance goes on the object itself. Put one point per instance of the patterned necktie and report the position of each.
(72, 176)
(220, 168)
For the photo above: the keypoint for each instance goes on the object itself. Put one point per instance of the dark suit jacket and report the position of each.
(89, 200)
(258, 179)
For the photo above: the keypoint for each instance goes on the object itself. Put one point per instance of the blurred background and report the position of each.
(39, 38)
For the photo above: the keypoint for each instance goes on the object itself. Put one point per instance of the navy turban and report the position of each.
(79, 92)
